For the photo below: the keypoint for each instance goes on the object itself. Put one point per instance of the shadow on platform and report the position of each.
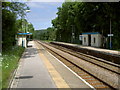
(30, 52)
(23, 77)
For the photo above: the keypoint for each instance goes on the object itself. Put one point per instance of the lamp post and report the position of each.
(110, 36)
(28, 23)
(27, 10)
(25, 27)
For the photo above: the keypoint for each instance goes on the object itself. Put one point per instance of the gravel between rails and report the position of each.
(101, 73)
(89, 58)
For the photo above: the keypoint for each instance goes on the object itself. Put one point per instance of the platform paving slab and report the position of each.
(39, 69)
(32, 72)
(72, 80)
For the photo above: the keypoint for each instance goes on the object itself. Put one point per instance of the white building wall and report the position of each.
(85, 39)
(20, 41)
(98, 40)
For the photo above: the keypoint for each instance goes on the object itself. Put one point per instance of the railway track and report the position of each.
(111, 56)
(97, 61)
(91, 77)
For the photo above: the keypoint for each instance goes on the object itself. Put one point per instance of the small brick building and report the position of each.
(92, 39)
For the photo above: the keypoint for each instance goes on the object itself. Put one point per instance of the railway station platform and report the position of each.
(40, 69)
(104, 54)
(112, 52)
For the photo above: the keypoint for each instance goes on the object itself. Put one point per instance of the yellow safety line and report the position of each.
(59, 81)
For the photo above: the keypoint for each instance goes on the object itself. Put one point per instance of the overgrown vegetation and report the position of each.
(80, 17)
(9, 63)
(11, 25)
(0, 72)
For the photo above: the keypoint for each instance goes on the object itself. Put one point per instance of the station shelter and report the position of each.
(94, 39)
(23, 38)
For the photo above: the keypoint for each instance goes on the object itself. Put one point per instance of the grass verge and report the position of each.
(10, 59)
(118, 49)
(0, 71)
(47, 40)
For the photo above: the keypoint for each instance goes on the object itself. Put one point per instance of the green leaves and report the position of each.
(24, 26)
(10, 24)
(87, 17)
(16, 7)
(47, 34)
(9, 63)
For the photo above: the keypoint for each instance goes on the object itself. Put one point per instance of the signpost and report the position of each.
(109, 35)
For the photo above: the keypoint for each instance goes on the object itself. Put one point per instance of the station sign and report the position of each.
(110, 35)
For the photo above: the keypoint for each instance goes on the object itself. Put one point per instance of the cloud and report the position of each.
(35, 5)
(33, 0)
(46, 0)
(42, 13)
(43, 4)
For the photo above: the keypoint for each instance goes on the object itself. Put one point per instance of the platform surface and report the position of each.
(39, 69)
(93, 48)
(32, 72)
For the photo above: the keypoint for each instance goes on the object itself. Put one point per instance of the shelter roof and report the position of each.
(24, 33)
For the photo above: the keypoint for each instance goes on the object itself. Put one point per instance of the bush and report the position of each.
(9, 63)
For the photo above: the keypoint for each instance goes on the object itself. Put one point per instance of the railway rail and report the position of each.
(108, 55)
(96, 72)
(97, 61)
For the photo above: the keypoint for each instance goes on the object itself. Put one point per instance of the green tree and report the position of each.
(79, 17)
(10, 12)
(8, 28)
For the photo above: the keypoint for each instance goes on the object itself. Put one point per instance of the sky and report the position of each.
(42, 13)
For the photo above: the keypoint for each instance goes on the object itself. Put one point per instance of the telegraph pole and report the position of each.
(110, 36)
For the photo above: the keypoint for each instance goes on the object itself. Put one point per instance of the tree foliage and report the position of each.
(24, 26)
(16, 7)
(10, 23)
(8, 28)
(47, 34)
(79, 17)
